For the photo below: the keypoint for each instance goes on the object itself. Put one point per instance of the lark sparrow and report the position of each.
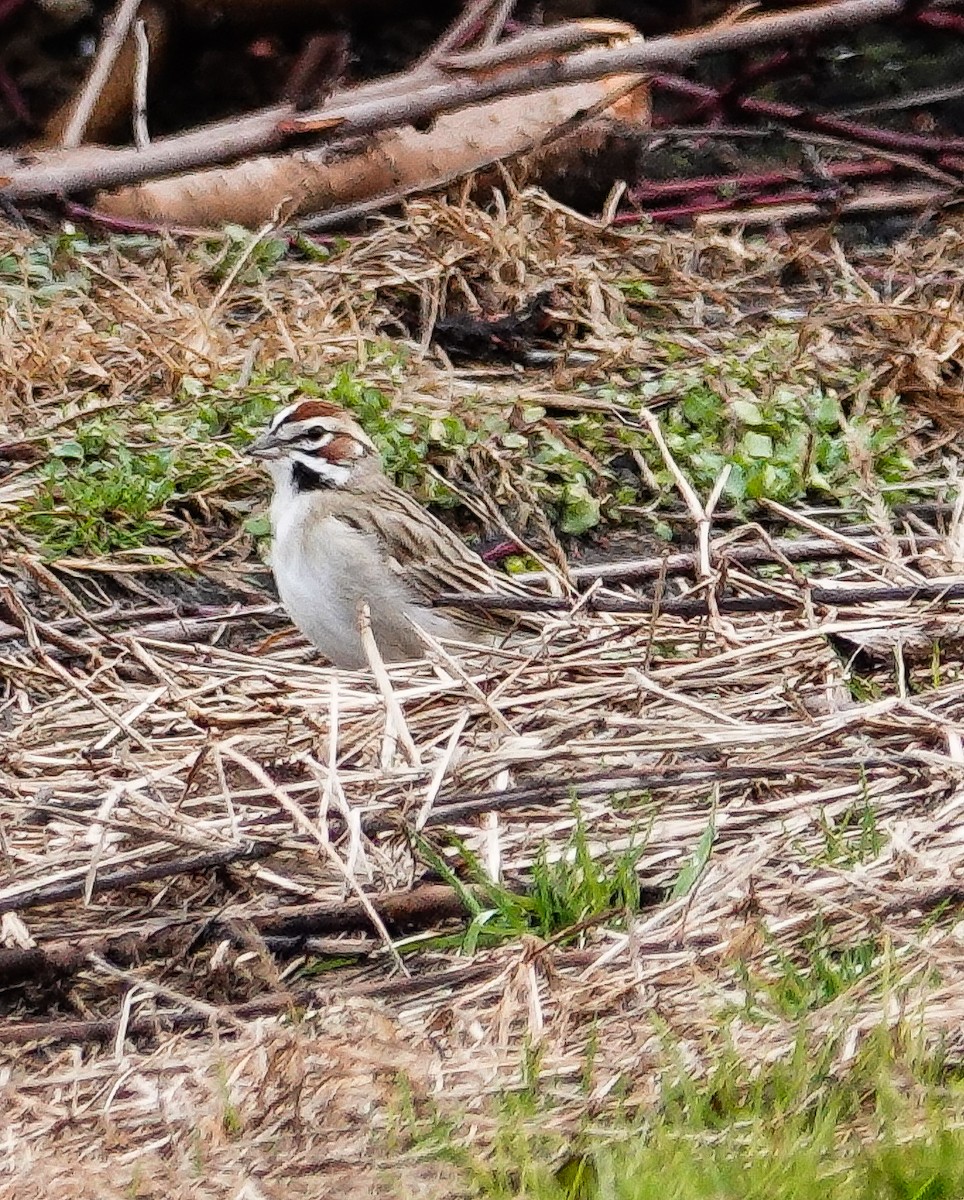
(343, 534)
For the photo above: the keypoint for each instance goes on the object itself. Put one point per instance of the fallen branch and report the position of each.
(800, 118)
(419, 96)
(203, 621)
(18, 899)
(795, 550)
(778, 211)
(460, 808)
(23, 1033)
(738, 186)
(790, 208)
(195, 622)
(833, 597)
(403, 911)
(273, 1004)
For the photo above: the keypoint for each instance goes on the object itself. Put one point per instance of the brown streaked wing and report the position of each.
(426, 553)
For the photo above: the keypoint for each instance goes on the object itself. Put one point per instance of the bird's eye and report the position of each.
(314, 435)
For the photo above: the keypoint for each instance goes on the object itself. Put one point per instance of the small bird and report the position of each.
(343, 534)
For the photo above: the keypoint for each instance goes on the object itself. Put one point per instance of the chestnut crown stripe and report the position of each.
(308, 410)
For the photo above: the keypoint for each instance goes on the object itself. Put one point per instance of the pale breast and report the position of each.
(325, 568)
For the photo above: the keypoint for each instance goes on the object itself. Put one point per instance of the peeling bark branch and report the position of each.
(390, 165)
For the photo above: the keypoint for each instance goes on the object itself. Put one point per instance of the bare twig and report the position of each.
(461, 808)
(467, 26)
(21, 1033)
(496, 22)
(20, 897)
(842, 539)
(778, 211)
(113, 39)
(701, 514)
(843, 597)
(793, 115)
(683, 563)
(308, 826)
(917, 99)
(396, 727)
(287, 929)
(141, 65)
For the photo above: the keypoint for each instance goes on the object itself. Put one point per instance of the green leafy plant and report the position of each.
(44, 271)
(691, 871)
(854, 837)
(99, 504)
(101, 492)
(237, 250)
(565, 894)
(787, 447)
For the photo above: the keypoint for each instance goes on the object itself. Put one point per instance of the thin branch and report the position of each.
(465, 27)
(496, 23)
(22, 1033)
(835, 597)
(795, 550)
(114, 37)
(801, 118)
(918, 99)
(142, 138)
(17, 899)
(539, 44)
(464, 807)
(308, 826)
(197, 621)
(777, 210)
(151, 1025)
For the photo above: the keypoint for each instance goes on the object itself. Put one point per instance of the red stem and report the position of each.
(80, 212)
(695, 209)
(715, 101)
(791, 114)
(953, 22)
(711, 183)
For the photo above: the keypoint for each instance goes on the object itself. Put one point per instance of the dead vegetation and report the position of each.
(257, 913)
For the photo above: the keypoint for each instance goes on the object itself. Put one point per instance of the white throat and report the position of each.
(283, 472)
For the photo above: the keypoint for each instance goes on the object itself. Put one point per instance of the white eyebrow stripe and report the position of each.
(280, 418)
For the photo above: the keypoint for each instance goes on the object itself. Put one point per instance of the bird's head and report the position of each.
(315, 444)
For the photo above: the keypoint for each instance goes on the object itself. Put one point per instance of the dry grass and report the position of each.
(134, 737)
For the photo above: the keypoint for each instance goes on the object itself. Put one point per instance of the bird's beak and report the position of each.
(266, 446)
